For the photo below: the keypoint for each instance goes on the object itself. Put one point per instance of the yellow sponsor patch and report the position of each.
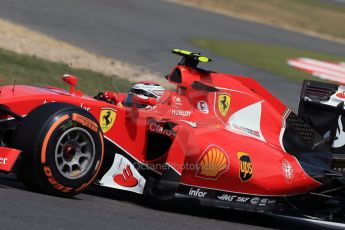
(224, 103)
(246, 166)
(212, 163)
(107, 119)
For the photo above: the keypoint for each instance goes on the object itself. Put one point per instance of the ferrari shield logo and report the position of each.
(223, 103)
(107, 119)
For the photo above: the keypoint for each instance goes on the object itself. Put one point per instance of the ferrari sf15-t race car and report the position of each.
(218, 139)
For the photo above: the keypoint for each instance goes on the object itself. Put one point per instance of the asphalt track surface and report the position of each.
(143, 33)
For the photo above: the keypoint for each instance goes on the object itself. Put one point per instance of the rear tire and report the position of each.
(62, 149)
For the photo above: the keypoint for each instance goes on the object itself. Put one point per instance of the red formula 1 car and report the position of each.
(220, 139)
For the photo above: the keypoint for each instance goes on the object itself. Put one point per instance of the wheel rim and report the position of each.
(74, 153)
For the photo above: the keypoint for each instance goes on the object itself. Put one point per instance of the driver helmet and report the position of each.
(144, 89)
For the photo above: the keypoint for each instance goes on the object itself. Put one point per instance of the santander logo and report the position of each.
(126, 178)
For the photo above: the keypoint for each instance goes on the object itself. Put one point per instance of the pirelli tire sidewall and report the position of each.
(39, 135)
(51, 173)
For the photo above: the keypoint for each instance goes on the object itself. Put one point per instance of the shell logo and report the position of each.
(212, 163)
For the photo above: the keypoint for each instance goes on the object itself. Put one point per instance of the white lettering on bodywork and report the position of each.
(3, 161)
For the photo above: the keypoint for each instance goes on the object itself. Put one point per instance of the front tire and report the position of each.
(62, 149)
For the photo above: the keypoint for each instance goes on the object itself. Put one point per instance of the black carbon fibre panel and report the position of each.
(304, 130)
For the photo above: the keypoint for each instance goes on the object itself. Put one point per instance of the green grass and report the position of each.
(313, 15)
(31, 70)
(269, 58)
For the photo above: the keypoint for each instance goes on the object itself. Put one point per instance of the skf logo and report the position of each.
(224, 100)
(107, 119)
(212, 163)
(246, 167)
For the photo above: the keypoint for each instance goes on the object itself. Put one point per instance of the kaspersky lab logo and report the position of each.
(246, 167)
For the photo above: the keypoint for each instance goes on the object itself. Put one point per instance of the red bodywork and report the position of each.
(216, 149)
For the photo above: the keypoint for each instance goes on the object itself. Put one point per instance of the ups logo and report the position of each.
(246, 167)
